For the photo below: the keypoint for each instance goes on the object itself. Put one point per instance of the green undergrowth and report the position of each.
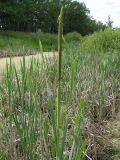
(19, 43)
(28, 102)
(56, 108)
(38, 120)
(103, 41)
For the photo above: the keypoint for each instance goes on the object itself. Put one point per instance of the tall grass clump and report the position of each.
(40, 117)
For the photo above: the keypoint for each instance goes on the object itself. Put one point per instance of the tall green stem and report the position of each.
(58, 110)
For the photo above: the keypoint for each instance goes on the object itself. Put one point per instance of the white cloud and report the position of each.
(101, 9)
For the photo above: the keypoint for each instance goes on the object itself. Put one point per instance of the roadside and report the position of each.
(17, 60)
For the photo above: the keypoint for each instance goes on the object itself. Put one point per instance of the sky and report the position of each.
(101, 9)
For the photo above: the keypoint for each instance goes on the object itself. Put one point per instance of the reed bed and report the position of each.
(46, 108)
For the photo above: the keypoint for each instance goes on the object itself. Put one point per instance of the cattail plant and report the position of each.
(58, 108)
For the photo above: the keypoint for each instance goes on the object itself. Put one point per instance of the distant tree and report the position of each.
(31, 15)
(76, 15)
(109, 22)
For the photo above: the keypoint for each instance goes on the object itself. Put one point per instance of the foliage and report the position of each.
(31, 95)
(95, 77)
(47, 39)
(109, 23)
(38, 123)
(31, 15)
(103, 41)
(35, 112)
(19, 43)
(73, 37)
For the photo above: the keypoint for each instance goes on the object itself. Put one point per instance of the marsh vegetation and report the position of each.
(64, 107)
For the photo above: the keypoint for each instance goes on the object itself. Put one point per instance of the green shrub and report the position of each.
(73, 37)
(106, 41)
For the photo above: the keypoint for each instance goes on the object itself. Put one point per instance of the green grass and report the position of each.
(29, 97)
(35, 114)
(18, 43)
(51, 110)
(13, 41)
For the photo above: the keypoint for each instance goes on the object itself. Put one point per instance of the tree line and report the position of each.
(31, 15)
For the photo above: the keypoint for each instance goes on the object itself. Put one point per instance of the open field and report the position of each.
(66, 106)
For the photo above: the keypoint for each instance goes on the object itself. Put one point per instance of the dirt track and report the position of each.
(17, 60)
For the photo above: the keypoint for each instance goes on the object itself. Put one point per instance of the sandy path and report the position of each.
(17, 60)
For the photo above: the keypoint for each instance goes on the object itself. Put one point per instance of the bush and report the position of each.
(107, 40)
(73, 37)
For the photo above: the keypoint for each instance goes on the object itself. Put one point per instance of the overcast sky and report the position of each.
(101, 9)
